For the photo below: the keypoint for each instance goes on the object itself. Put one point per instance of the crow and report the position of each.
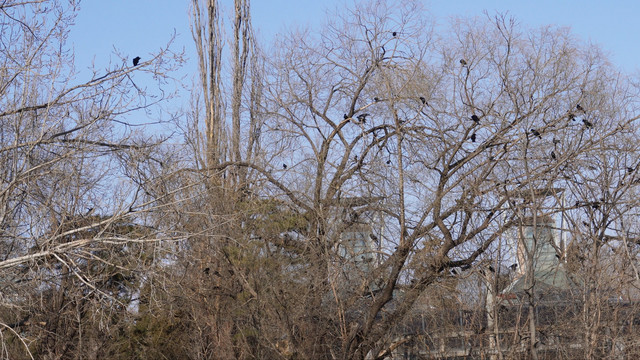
(553, 155)
(423, 100)
(473, 137)
(394, 34)
(344, 116)
(388, 162)
(536, 133)
(375, 99)
(463, 62)
(587, 123)
(284, 166)
(136, 60)
(475, 118)
(363, 118)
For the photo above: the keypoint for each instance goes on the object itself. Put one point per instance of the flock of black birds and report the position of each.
(587, 124)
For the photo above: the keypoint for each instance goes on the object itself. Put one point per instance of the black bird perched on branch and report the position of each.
(587, 123)
(463, 62)
(630, 169)
(376, 99)
(136, 60)
(473, 137)
(363, 118)
(475, 118)
(394, 34)
(423, 100)
(284, 166)
(536, 133)
(553, 155)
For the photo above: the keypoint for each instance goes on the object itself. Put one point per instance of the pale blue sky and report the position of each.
(139, 27)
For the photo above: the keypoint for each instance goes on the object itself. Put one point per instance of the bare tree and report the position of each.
(443, 144)
(70, 223)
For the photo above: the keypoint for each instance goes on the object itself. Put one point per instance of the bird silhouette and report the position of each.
(136, 60)
(473, 137)
(475, 118)
(630, 169)
(376, 99)
(394, 33)
(579, 108)
(463, 62)
(587, 123)
(423, 100)
(363, 118)
(553, 155)
(344, 116)
(284, 166)
(536, 133)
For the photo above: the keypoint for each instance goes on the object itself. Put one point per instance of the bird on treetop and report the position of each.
(463, 62)
(136, 60)
(475, 118)
(363, 117)
(536, 133)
